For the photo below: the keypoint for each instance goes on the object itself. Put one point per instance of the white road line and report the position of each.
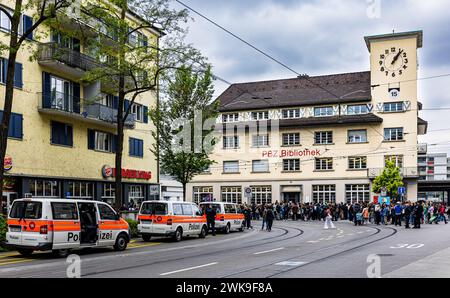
(190, 268)
(266, 251)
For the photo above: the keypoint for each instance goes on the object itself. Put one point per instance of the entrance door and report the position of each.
(291, 197)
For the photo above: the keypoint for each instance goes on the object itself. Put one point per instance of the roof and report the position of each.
(418, 34)
(296, 92)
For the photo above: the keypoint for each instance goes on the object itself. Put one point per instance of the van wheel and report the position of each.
(121, 243)
(203, 232)
(25, 252)
(227, 229)
(146, 237)
(242, 228)
(61, 253)
(178, 235)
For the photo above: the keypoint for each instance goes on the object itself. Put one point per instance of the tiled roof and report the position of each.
(343, 88)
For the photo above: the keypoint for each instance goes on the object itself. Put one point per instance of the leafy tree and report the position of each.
(389, 178)
(186, 122)
(45, 11)
(135, 63)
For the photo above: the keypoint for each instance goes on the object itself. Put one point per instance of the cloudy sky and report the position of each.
(318, 37)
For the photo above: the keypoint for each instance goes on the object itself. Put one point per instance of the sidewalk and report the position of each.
(434, 266)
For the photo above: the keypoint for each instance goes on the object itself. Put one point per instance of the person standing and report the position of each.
(418, 211)
(248, 217)
(377, 212)
(398, 214)
(211, 218)
(328, 222)
(269, 218)
(264, 217)
(407, 214)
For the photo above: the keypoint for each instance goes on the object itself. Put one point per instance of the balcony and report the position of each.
(408, 172)
(57, 103)
(66, 60)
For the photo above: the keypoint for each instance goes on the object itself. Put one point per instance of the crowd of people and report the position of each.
(409, 214)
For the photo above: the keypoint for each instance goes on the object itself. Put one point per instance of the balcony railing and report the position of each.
(407, 172)
(54, 52)
(62, 102)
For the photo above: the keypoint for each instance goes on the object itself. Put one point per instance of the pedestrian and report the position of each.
(441, 216)
(398, 214)
(407, 214)
(264, 218)
(269, 218)
(377, 211)
(418, 210)
(365, 214)
(248, 217)
(211, 219)
(328, 222)
(357, 213)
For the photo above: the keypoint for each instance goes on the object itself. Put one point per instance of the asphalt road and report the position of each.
(292, 249)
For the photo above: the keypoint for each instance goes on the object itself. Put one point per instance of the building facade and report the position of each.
(434, 169)
(61, 143)
(319, 139)
(171, 190)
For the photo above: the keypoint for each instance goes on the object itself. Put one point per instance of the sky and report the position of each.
(318, 37)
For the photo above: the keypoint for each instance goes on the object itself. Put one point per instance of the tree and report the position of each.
(186, 122)
(19, 32)
(389, 178)
(135, 64)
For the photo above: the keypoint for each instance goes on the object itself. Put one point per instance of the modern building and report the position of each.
(322, 138)
(434, 180)
(171, 190)
(61, 143)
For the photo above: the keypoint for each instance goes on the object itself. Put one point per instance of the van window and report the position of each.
(106, 212)
(154, 208)
(177, 209)
(187, 209)
(28, 210)
(197, 211)
(64, 211)
(230, 208)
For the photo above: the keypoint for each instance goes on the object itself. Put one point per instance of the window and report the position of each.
(15, 125)
(261, 195)
(107, 100)
(177, 209)
(231, 194)
(323, 111)
(61, 94)
(81, 190)
(323, 137)
(390, 107)
(230, 142)
(357, 193)
(155, 208)
(106, 213)
(67, 211)
(260, 140)
(202, 193)
(291, 114)
(196, 210)
(230, 117)
(27, 210)
(231, 166)
(324, 164)
(62, 134)
(26, 22)
(44, 188)
(291, 165)
(260, 166)
(230, 209)
(397, 159)
(357, 109)
(324, 193)
(264, 115)
(136, 193)
(109, 190)
(357, 162)
(136, 147)
(101, 141)
(357, 136)
(393, 134)
(18, 73)
(187, 209)
(5, 23)
(291, 139)
(138, 111)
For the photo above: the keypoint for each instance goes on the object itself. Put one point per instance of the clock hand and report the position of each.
(396, 57)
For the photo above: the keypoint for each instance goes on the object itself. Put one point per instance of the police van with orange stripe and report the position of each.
(171, 219)
(229, 216)
(60, 225)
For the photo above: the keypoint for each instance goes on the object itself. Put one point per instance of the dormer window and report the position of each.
(323, 111)
(264, 115)
(230, 117)
(291, 114)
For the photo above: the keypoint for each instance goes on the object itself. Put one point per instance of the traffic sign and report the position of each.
(401, 190)
(383, 191)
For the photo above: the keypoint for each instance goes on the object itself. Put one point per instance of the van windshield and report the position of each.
(154, 208)
(28, 210)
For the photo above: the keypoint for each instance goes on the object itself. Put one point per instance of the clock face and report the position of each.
(393, 62)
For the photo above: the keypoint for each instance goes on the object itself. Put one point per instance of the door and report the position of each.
(66, 225)
(109, 221)
(198, 217)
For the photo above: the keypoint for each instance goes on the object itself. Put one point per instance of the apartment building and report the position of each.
(319, 139)
(62, 143)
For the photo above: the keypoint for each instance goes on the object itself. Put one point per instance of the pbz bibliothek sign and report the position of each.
(108, 172)
(290, 153)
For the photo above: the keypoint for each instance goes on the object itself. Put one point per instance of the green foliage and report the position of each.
(389, 178)
(133, 227)
(3, 229)
(186, 122)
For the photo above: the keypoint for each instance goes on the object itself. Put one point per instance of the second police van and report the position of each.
(171, 219)
(60, 225)
(229, 216)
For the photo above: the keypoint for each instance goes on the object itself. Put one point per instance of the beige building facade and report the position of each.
(319, 139)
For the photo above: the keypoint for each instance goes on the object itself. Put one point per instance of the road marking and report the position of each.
(290, 263)
(313, 241)
(14, 262)
(267, 251)
(190, 268)
(133, 245)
